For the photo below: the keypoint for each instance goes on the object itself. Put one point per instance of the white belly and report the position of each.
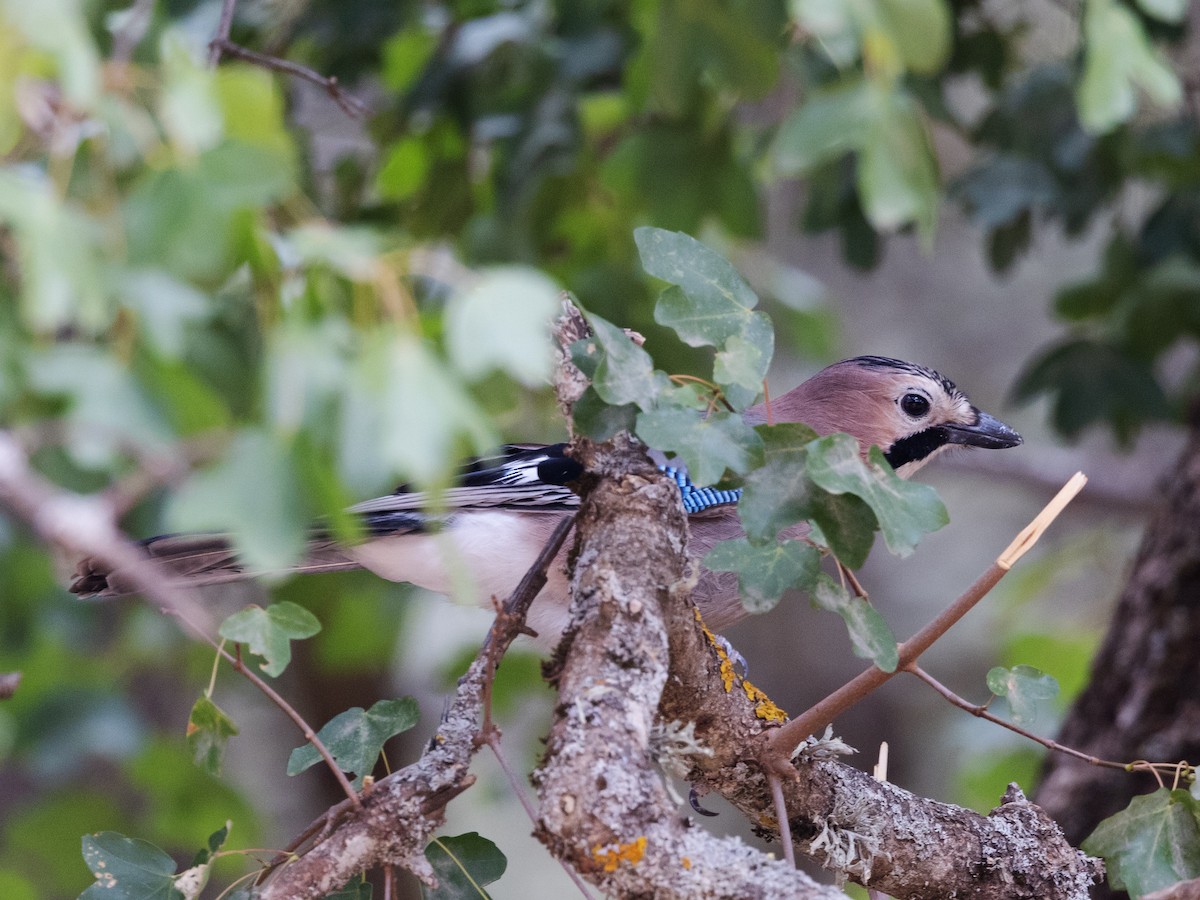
(481, 557)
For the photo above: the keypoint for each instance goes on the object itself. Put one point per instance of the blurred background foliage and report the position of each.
(219, 279)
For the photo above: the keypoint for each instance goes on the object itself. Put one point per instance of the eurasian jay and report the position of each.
(504, 508)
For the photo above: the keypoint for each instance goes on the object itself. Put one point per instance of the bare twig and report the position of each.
(349, 104)
(775, 783)
(982, 712)
(351, 840)
(224, 28)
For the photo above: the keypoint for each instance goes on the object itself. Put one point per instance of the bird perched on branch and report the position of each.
(504, 508)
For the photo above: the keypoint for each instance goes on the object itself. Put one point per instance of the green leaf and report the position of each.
(870, 634)
(1118, 59)
(253, 494)
(920, 30)
(191, 882)
(1094, 382)
(355, 738)
(713, 301)
(269, 632)
(208, 730)
(708, 446)
(897, 171)
(106, 406)
(745, 358)
(405, 169)
(388, 428)
(1024, 687)
(844, 523)
(709, 305)
(597, 420)
(765, 571)
(830, 123)
(128, 869)
(1151, 844)
(625, 373)
(778, 493)
(503, 322)
(905, 510)
(463, 864)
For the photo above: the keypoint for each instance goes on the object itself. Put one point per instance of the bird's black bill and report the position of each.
(987, 432)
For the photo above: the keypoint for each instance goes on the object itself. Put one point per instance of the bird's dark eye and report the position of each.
(915, 405)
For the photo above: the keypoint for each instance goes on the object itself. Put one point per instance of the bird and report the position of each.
(497, 518)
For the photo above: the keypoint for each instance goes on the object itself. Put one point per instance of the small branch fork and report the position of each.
(221, 46)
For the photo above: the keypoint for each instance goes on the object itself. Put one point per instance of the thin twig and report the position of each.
(307, 730)
(718, 395)
(491, 737)
(785, 739)
(983, 713)
(224, 28)
(349, 104)
(509, 622)
(775, 783)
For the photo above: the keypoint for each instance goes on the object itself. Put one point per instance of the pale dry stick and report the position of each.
(86, 525)
(880, 773)
(784, 740)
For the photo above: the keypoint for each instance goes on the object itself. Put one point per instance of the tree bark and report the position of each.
(1141, 701)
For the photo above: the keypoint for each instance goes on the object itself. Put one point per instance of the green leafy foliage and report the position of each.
(905, 510)
(1024, 687)
(208, 731)
(710, 306)
(1118, 61)
(765, 571)
(502, 322)
(708, 446)
(128, 869)
(464, 864)
(870, 634)
(1151, 844)
(269, 632)
(355, 737)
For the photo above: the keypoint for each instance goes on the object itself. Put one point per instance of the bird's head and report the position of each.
(910, 412)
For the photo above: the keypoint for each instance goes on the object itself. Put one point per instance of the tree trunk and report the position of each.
(1141, 702)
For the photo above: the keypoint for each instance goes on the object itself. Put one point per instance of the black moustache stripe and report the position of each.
(916, 447)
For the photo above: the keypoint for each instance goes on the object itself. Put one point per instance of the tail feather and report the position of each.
(199, 560)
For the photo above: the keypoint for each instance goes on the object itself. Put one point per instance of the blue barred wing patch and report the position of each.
(696, 498)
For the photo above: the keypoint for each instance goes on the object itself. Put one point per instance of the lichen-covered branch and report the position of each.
(400, 813)
(880, 834)
(603, 805)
